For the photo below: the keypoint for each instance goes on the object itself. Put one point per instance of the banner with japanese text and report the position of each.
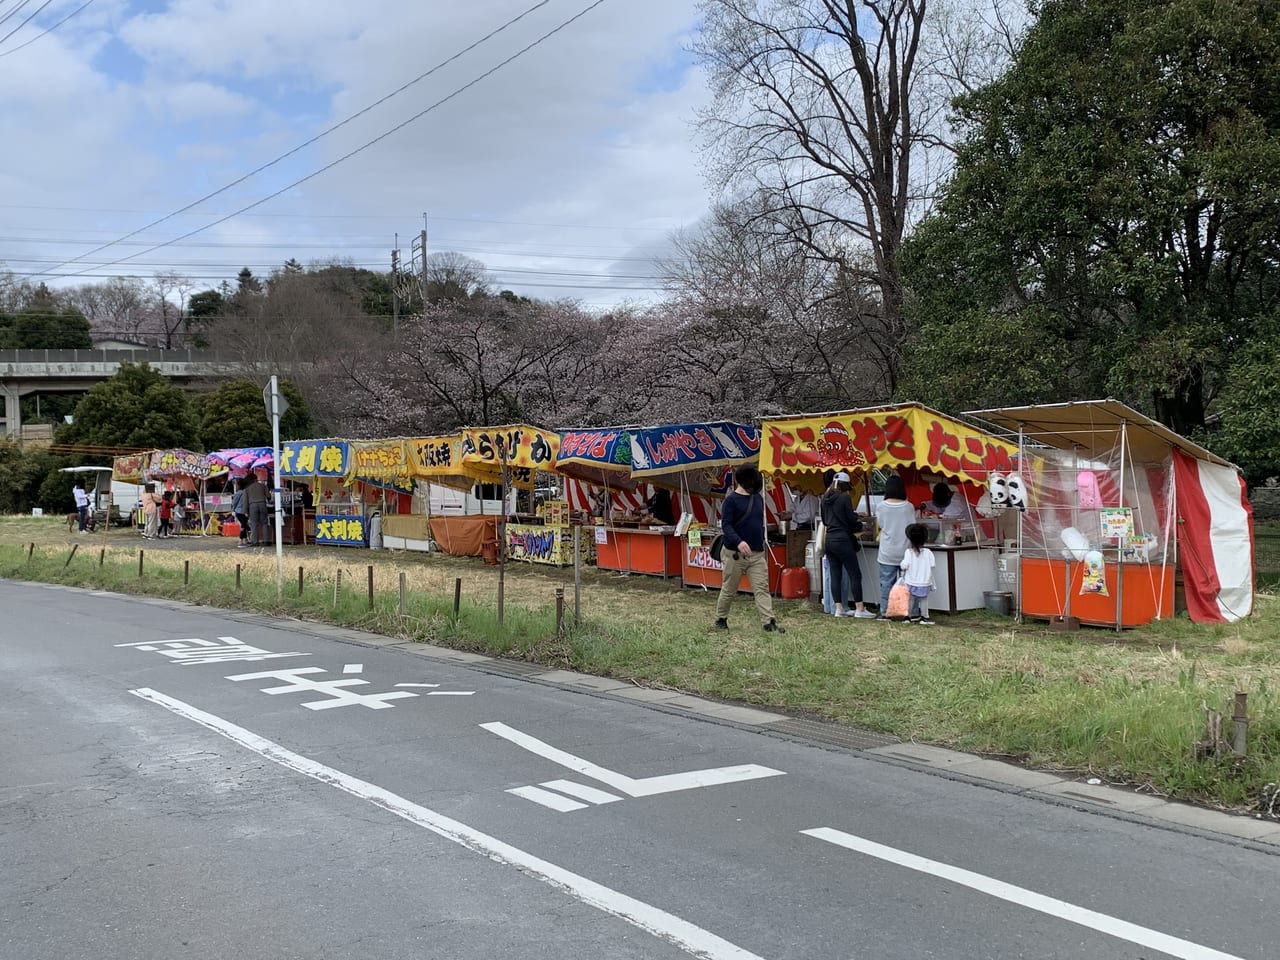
(439, 460)
(522, 448)
(379, 460)
(315, 458)
(607, 449)
(801, 448)
(340, 531)
(691, 446)
(176, 463)
(128, 469)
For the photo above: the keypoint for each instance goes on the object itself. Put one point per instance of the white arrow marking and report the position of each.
(648, 787)
(1120, 929)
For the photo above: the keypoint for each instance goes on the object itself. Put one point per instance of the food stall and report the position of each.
(515, 454)
(381, 479)
(437, 462)
(921, 445)
(177, 471)
(601, 459)
(231, 464)
(337, 517)
(1117, 511)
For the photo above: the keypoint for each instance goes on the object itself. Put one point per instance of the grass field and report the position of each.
(1129, 708)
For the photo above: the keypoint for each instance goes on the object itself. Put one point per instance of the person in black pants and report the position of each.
(842, 546)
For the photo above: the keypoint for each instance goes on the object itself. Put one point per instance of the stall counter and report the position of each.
(962, 573)
(640, 550)
(700, 570)
(1051, 588)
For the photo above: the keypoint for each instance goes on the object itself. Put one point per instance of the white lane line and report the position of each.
(417, 684)
(353, 668)
(647, 787)
(1023, 897)
(581, 791)
(452, 693)
(548, 799)
(666, 926)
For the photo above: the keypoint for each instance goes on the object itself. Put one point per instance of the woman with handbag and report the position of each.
(842, 545)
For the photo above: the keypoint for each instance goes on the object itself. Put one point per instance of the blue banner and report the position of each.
(609, 449)
(315, 458)
(692, 446)
(341, 531)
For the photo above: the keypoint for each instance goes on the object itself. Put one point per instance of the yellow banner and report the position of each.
(379, 460)
(798, 448)
(516, 446)
(439, 460)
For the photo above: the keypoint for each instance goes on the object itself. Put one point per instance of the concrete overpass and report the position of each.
(24, 372)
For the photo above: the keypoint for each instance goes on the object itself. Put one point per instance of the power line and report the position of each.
(329, 166)
(318, 136)
(28, 43)
(24, 22)
(15, 10)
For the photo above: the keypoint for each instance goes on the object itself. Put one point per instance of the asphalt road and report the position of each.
(186, 783)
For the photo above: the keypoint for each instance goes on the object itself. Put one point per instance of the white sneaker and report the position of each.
(863, 614)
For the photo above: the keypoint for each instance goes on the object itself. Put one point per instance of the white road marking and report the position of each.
(452, 693)
(353, 668)
(1121, 929)
(417, 684)
(666, 926)
(648, 787)
(581, 791)
(294, 681)
(548, 799)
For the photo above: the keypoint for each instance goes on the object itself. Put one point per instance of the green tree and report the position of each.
(234, 415)
(43, 325)
(1118, 194)
(136, 409)
(22, 471)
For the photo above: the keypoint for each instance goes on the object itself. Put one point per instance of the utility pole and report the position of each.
(395, 287)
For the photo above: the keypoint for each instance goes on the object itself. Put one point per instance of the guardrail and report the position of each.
(116, 355)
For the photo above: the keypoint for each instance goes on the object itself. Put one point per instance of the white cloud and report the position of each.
(583, 145)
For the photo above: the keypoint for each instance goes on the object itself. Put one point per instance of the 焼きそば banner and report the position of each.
(606, 449)
(691, 446)
(858, 441)
(315, 458)
(515, 446)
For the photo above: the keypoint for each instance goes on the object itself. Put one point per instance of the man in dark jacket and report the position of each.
(255, 501)
(745, 548)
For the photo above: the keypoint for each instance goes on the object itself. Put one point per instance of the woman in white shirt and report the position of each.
(893, 515)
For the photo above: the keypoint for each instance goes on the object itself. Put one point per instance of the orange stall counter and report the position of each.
(1147, 593)
(700, 570)
(652, 552)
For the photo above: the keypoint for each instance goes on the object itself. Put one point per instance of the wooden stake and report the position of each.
(457, 598)
(337, 587)
(371, 586)
(74, 548)
(102, 555)
(300, 574)
(141, 554)
(186, 573)
(559, 610)
(577, 576)
(403, 608)
(30, 550)
(237, 578)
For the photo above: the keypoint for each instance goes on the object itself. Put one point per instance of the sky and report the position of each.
(564, 172)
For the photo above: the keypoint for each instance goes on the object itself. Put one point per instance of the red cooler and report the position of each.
(795, 583)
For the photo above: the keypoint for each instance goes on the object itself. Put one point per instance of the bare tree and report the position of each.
(818, 108)
(171, 317)
(453, 276)
(117, 308)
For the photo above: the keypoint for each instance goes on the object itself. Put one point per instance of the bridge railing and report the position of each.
(116, 355)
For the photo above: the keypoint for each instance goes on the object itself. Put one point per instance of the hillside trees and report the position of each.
(137, 409)
(234, 416)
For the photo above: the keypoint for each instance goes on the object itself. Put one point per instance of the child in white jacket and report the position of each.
(917, 570)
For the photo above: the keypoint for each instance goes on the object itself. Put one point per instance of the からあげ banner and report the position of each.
(858, 441)
(691, 446)
(315, 458)
(522, 448)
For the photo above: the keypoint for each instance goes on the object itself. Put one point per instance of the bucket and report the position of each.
(795, 583)
(999, 601)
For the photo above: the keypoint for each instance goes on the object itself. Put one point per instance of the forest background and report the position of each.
(966, 203)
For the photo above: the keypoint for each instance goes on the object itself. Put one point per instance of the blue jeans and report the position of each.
(84, 516)
(888, 577)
